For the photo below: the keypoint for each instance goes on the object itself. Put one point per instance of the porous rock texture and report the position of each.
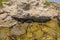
(20, 8)
(10, 29)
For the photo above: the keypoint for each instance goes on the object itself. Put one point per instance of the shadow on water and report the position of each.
(42, 19)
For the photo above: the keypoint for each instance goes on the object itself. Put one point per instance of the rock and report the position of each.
(14, 12)
(21, 9)
(26, 6)
(1, 11)
(16, 31)
(8, 11)
(7, 22)
(2, 16)
(30, 19)
(58, 19)
(43, 19)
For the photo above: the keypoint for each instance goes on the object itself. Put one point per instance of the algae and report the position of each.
(1, 5)
(47, 3)
(34, 31)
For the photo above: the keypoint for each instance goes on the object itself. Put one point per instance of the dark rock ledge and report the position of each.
(42, 19)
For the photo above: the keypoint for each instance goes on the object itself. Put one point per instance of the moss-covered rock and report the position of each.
(1, 5)
(47, 3)
(33, 31)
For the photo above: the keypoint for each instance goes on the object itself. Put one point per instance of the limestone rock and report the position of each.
(21, 9)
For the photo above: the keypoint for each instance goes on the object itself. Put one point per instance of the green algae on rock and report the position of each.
(1, 4)
(35, 30)
(47, 3)
(5, 0)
